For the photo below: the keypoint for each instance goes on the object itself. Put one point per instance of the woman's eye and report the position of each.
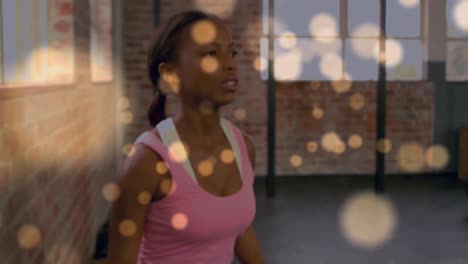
(211, 53)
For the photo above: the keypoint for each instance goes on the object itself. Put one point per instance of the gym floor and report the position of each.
(302, 223)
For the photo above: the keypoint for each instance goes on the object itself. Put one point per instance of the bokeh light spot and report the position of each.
(393, 55)
(355, 141)
(260, 64)
(409, 3)
(331, 142)
(240, 114)
(323, 26)
(296, 160)
(177, 152)
(179, 221)
(384, 145)
(206, 168)
(126, 117)
(357, 101)
(411, 157)
(123, 103)
(312, 146)
(127, 228)
(166, 185)
(288, 40)
(330, 65)
(29, 237)
(318, 113)
(340, 148)
(342, 86)
(127, 149)
(227, 156)
(111, 192)
(460, 15)
(288, 65)
(161, 167)
(365, 30)
(367, 219)
(144, 198)
(207, 108)
(203, 32)
(169, 83)
(437, 157)
(365, 48)
(209, 64)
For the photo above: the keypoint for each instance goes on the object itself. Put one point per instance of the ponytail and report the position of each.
(157, 109)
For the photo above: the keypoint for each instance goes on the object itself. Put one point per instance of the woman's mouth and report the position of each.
(231, 85)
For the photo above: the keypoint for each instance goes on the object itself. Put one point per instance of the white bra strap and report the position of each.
(169, 135)
(234, 143)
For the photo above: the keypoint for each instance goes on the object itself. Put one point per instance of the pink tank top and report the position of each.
(191, 225)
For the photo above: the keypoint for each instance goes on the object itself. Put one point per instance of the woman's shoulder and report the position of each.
(141, 161)
(155, 132)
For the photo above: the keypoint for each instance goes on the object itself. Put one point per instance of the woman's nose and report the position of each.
(229, 63)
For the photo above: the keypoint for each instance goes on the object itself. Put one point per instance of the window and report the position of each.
(101, 40)
(37, 43)
(457, 40)
(404, 48)
(336, 39)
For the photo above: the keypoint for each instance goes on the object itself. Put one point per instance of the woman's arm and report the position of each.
(247, 248)
(127, 215)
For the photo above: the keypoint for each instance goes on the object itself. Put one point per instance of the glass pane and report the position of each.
(308, 59)
(265, 17)
(42, 51)
(27, 42)
(101, 40)
(262, 64)
(457, 60)
(360, 59)
(10, 40)
(60, 47)
(23, 38)
(37, 41)
(308, 17)
(457, 18)
(404, 59)
(363, 18)
(403, 18)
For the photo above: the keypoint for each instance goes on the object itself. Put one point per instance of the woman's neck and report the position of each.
(198, 124)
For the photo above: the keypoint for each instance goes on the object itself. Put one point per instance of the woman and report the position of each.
(168, 210)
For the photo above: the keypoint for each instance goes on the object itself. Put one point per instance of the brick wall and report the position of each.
(409, 119)
(409, 109)
(138, 17)
(57, 149)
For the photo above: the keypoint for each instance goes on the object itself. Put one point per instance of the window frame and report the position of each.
(449, 39)
(12, 90)
(112, 52)
(344, 35)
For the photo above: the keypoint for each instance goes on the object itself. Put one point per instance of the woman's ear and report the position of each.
(169, 83)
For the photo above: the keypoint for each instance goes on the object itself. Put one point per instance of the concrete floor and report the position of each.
(301, 224)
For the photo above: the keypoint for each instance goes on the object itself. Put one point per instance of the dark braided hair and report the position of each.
(164, 47)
